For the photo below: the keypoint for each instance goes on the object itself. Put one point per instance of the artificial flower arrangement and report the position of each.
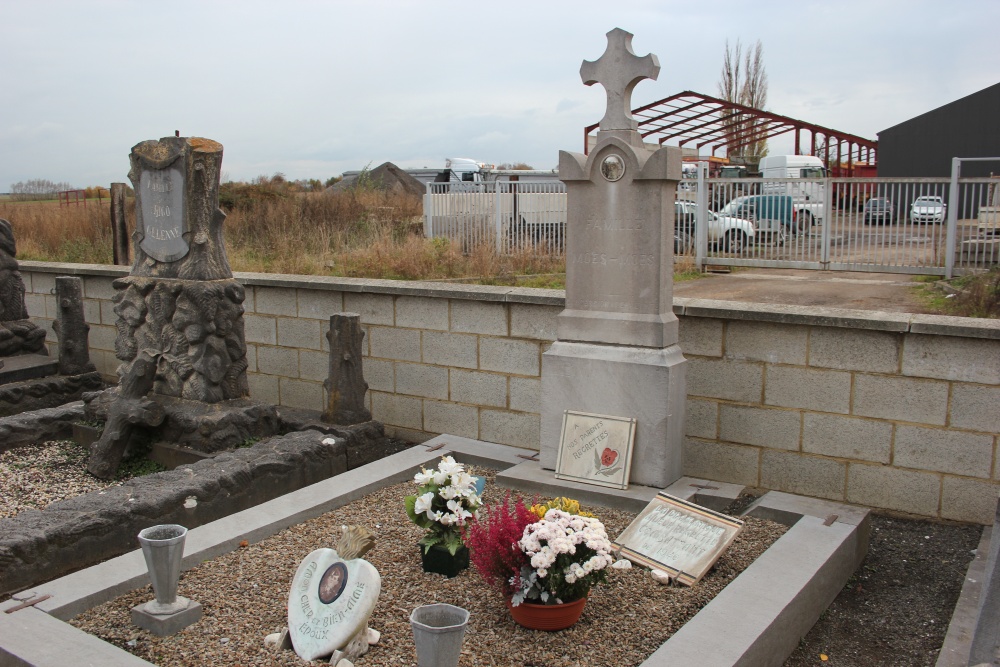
(542, 554)
(447, 499)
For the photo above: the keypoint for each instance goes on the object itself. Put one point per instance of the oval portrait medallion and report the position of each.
(332, 583)
(613, 168)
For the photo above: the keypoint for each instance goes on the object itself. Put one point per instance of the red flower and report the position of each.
(608, 457)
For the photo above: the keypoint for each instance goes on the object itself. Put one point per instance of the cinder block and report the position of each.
(51, 306)
(975, 407)
(533, 321)
(251, 358)
(102, 336)
(283, 361)
(299, 394)
(847, 437)
(970, 500)
(807, 475)
(315, 365)
(421, 380)
(701, 336)
(45, 283)
(105, 362)
(35, 303)
(952, 358)
(480, 317)
(91, 311)
(379, 374)
(295, 332)
(27, 279)
(108, 315)
(264, 388)
(778, 429)
(257, 329)
(420, 312)
(396, 410)
(903, 399)
(392, 343)
(50, 334)
(854, 350)
(721, 462)
(720, 378)
(373, 308)
(518, 429)
(317, 304)
(525, 394)
(701, 419)
(772, 342)
(249, 298)
(520, 357)
(94, 287)
(447, 349)
(893, 489)
(462, 420)
(938, 450)
(488, 389)
(275, 301)
(812, 389)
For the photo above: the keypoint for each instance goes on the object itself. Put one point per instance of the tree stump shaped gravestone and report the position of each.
(17, 334)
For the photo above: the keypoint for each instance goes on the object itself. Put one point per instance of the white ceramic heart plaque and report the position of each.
(330, 602)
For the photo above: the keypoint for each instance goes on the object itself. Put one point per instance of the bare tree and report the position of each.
(744, 80)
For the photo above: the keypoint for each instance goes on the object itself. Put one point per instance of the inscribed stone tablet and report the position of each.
(677, 536)
(596, 449)
(162, 201)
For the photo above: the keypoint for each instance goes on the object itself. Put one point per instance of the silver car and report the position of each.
(927, 209)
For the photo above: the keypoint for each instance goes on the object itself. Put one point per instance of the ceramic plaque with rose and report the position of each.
(596, 449)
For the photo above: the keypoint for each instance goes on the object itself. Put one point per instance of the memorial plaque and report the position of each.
(162, 201)
(596, 449)
(678, 536)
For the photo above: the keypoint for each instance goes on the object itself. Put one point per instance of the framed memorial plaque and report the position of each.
(678, 536)
(596, 449)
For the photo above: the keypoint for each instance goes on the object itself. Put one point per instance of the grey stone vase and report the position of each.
(163, 548)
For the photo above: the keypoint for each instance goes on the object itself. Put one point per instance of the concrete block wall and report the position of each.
(894, 411)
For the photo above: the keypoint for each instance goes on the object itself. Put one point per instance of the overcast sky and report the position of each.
(311, 89)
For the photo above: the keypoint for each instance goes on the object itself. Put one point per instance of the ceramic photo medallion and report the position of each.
(678, 536)
(330, 601)
(596, 449)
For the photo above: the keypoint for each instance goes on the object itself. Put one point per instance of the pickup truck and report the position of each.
(724, 231)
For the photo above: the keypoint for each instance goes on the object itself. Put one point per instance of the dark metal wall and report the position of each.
(925, 145)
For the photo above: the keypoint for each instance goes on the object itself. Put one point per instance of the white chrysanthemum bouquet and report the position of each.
(446, 501)
(568, 554)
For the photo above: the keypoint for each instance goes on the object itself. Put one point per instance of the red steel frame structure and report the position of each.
(692, 118)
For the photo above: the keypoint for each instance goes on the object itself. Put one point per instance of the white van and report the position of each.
(809, 195)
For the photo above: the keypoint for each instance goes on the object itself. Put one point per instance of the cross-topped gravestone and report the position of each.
(617, 352)
(619, 70)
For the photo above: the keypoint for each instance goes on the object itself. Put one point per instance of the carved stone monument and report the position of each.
(17, 334)
(617, 350)
(345, 385)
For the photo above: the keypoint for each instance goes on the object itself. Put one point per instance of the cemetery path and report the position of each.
(896, 608)
(887, 292)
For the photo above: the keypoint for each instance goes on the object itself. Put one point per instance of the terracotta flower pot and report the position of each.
(439, 560)
(548, 617)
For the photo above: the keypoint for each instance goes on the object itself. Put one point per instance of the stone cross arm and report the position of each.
(619, 70)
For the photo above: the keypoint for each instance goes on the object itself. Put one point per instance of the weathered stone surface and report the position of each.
(28, 428)
(345, 385)
(38, 545)
(71, 327)
(17, 334)
(48, 392)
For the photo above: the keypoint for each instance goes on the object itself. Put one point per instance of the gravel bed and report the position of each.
(35, 476)
(244, 596)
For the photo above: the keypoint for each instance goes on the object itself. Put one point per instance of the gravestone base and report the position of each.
(167, 624)
(46, 392)
(27, 367)
(644, 383)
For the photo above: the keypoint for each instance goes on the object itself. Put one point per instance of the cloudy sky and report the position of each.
(311, 89)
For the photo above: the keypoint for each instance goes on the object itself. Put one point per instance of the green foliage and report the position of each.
(137, 467)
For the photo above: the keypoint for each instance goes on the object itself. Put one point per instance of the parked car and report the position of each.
(928, 209)
(728, 232)
(879, 211)
(775, 217)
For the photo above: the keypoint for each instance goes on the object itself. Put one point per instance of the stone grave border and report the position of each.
(788, 587)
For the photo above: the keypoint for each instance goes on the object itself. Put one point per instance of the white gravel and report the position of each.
(244, 596)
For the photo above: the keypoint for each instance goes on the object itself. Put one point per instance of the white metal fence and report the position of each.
(936, 226)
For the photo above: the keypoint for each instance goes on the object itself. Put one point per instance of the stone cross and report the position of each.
(619, 70)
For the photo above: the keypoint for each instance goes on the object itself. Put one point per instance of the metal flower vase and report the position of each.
(163, 548)
(438, 631)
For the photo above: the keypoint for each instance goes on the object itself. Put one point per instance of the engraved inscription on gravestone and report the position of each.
(596, 449)
(677, 536)
(163, 217)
